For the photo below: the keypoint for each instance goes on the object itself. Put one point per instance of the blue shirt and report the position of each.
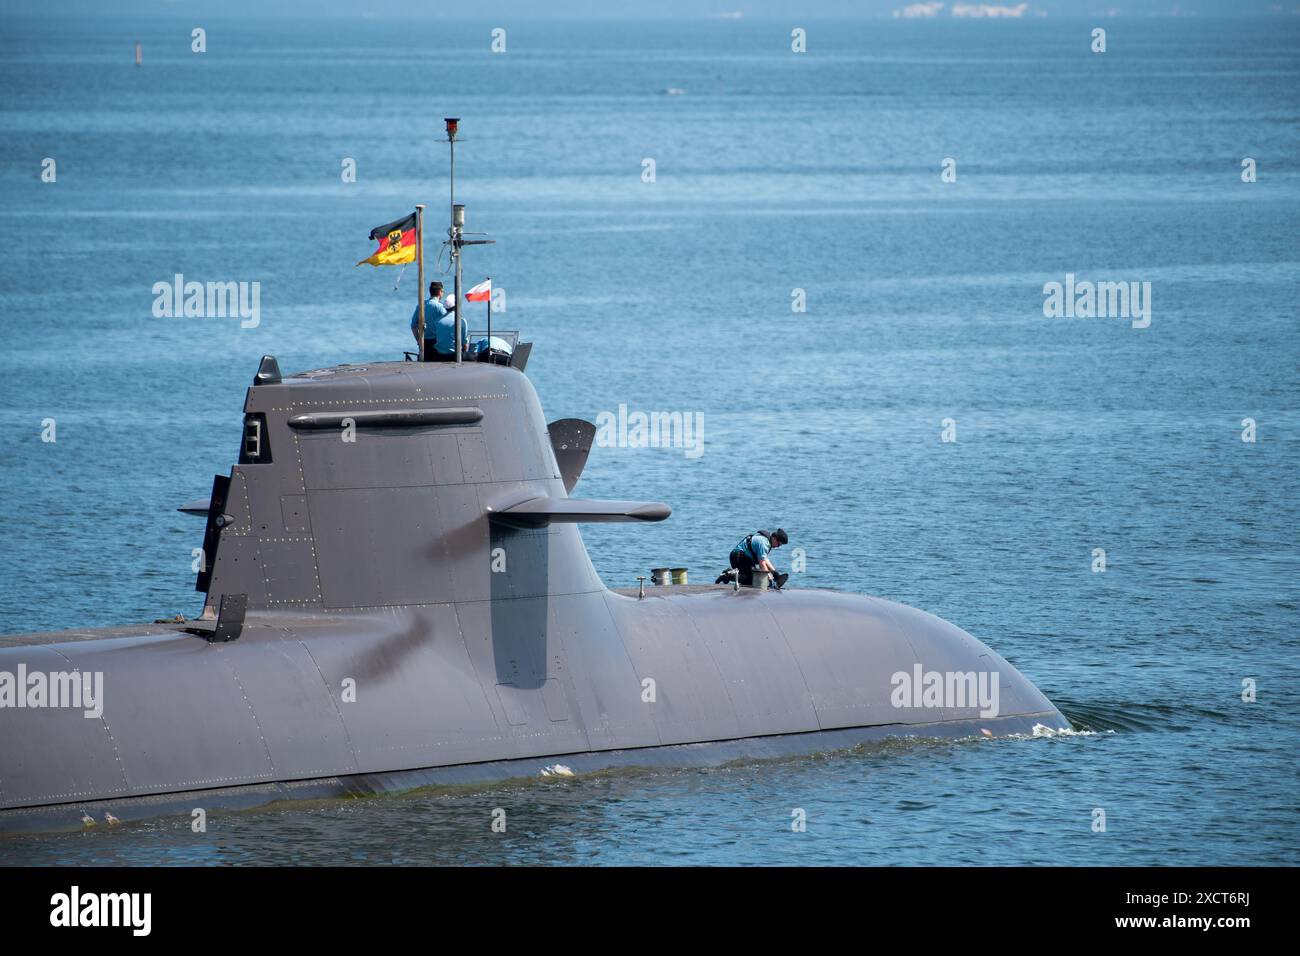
(757, 548)
(441, 325)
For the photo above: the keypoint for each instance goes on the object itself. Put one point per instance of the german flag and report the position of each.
(396, 243)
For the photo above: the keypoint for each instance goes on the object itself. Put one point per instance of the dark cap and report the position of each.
(780, 537)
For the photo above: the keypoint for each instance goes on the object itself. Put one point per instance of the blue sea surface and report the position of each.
(773, 172)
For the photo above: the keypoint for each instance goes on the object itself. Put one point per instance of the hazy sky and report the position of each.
(587, 9)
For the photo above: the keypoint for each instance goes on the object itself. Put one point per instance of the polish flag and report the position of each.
(480, 293)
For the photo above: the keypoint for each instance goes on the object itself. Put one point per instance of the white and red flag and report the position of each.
(480, 293)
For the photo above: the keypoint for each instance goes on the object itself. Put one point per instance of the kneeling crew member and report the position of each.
(752, 551)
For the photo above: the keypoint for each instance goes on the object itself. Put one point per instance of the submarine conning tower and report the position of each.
(395, 484)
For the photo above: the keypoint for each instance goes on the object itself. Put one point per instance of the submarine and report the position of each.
(397, 594)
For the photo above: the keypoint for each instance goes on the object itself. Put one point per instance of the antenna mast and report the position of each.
(456, 234)
(453, 233)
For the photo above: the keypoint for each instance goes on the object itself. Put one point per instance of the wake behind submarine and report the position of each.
(397, 595)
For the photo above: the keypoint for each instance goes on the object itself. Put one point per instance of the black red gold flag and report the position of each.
(396, 243)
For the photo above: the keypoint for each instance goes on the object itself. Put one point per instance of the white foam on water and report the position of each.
(1042, 730)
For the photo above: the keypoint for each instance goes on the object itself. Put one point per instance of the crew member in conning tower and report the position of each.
(439, 327)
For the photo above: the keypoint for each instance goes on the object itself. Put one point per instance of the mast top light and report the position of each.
(452, 123)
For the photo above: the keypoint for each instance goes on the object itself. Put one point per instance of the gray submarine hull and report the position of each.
(416, 607)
